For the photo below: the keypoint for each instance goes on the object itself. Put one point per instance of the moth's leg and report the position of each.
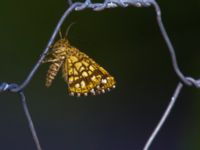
(61, 50)
(50, 60)
(50, 51)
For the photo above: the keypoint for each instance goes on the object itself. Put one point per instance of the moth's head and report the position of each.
(63, 42)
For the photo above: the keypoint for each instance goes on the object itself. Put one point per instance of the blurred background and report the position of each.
(127, 43)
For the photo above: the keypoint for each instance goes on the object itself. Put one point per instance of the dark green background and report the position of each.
(127, 42)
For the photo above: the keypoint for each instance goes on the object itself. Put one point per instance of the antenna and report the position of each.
(60, 34)
(67, 31)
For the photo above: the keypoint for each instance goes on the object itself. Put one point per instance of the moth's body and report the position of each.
(59, 54)
(82, 74)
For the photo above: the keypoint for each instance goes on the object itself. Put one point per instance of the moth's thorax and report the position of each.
(63, 45)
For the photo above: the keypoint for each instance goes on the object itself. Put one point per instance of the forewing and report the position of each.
(84, 76)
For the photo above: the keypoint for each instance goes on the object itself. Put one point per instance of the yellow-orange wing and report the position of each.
(84, 76)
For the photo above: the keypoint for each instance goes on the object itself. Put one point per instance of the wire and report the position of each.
(9, 87)
(78, 6)
(164, 117)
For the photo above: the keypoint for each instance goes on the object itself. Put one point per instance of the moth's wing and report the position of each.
(84, 76)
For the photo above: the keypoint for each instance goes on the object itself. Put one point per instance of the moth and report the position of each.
(82, 74)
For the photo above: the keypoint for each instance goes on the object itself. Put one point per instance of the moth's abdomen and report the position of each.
(52, 72)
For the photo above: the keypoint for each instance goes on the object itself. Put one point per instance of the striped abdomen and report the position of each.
(52, 72)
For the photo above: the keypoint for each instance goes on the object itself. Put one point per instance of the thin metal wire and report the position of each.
(169, 44)
(164, 117)
(30, 122)
(188, 81)
(56, 30)
(96, 7)
(9, 87)
(15, 88)
(78, 6)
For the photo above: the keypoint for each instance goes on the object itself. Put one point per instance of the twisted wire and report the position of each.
(78, 6)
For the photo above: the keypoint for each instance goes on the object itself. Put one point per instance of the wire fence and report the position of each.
(79, 6)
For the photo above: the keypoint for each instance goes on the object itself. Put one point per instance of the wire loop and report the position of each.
(8, 87)
(79, 6)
